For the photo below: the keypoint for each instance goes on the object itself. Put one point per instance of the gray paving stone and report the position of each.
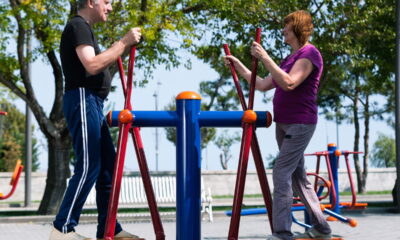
(371, 225)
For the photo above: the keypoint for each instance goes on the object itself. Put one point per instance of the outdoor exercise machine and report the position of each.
(249, 139)
(187, 119)
(332, 210)
(125, 127)
(14, 181)
(14, 178)
(332, 185)
(332, 157)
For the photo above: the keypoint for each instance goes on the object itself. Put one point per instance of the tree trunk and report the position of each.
(366, 145)
(224, 162)
(357, 140)
(57, 174)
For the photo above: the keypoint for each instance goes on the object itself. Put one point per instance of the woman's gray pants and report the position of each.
(288, 173)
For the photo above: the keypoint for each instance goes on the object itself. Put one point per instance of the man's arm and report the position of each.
(95, 64)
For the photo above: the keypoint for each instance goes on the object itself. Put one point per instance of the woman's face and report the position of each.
(288, 35)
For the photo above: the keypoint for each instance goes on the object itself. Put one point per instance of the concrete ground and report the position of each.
(372, 224)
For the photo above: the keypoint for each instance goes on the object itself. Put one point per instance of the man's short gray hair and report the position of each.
(81, 4)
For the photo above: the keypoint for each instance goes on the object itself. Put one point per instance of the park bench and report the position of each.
(133, 195)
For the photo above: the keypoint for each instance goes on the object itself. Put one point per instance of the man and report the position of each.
(87, 84)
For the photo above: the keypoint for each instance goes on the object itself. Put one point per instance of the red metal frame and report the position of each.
(240, 181)
(326, 183)
(346, 154)
(249, 139)
(353, 191)
(255, 148)
(3, 113)
(329, 169)
(254, 66)
(120, 158)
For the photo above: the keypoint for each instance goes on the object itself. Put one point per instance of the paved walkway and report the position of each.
(372, 224)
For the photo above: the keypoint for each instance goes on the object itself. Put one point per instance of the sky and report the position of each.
(169, 84)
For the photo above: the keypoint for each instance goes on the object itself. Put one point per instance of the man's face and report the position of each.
(103, 8)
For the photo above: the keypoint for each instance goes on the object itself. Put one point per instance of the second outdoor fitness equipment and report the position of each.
(249, 139)
(188, 119)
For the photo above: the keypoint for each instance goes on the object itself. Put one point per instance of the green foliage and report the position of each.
(356, 39)
(360, 61)
(12, 139)
(384, 152)
(271, 159)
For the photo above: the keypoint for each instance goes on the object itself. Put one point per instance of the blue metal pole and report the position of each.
(188, 167)
(333, 159)
(206, 118)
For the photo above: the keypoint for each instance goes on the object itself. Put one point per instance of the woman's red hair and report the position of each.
(302, 25)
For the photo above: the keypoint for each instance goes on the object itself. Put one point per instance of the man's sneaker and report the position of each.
(313, 234)
(272, 237)
(57, 235)
(123, 235)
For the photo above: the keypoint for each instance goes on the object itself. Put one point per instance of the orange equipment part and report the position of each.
(331, 219)
(14, 180)
(16, 170)
(125, 116)
(352, 205)
(353, 223)
(249, 116)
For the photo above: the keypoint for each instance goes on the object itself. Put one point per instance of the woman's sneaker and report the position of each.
(57, 235)
(313, 234)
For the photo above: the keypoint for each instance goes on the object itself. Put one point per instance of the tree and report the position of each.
(201, 27)
(358, 68)
(384, 152)
(160, 21)
(43, 22)
(12, 139)
(224, 142)
(271, 159)
(356, 39)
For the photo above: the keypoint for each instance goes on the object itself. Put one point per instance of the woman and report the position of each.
(295, 112)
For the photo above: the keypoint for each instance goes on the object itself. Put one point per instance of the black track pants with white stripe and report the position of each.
(94, 159)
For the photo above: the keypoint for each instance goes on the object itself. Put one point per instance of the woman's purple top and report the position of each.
(300, 104)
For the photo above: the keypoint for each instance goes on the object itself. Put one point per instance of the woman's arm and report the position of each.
(262, 84)
(287, 81)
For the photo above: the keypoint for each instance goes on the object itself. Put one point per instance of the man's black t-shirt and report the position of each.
(78, 32)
